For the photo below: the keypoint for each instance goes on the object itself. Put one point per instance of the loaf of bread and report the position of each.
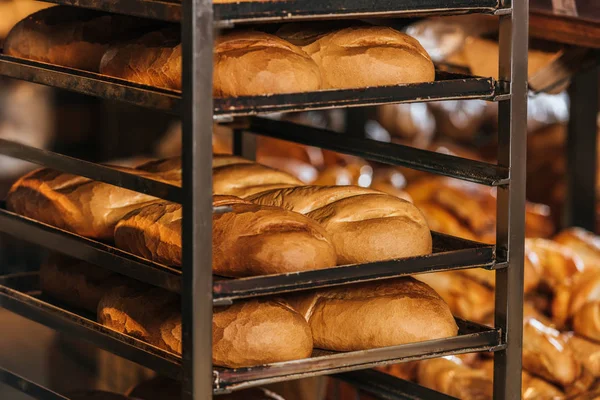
(586, 320)
(583, 243)
(571, 297)
(74, 203)
(365, 225)
(161, 388)
(250, 240)
(375, 314)
(466, 298)
(71, 37)
(585, 351)
(546, 354)
(232, 177)
(363, 56)
(245, 334)
(76, 283)
(246, 63)
(450, 376)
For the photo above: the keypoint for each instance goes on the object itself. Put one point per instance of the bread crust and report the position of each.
(375, 314)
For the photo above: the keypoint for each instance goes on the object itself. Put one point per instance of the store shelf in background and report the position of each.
(448, 86)
(387, 153)
(449, 253)
(289, 10)
(20, 294)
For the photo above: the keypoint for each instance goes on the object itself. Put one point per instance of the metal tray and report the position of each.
(20, 293)
(449, 253)
(448, 86)
(387, 153)
(288, 10)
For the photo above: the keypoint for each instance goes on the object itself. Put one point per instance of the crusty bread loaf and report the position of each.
(586, 320)
(363, 56)
(74, 203)
(236, 178)
(375, 314)
(71, 37)
(365, 225)
(585, 351)
(571, 297)
(245, 334)
(246, 63)
(466, 298)
(583, 243)
(250, 240)
(161, 388)
(75, 282)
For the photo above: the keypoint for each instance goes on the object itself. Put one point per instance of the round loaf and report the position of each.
(245, 334)
(74, 203)
(69, 36)
(255, 63)
(250, 240)
(365, 225)
(375, 314)
(364, 56)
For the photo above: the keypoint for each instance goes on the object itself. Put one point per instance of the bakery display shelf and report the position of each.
(387, 387)
(387, 153)
(447, 86)
(20, 293)
(28, 387)
(289, 10)
(449, 253)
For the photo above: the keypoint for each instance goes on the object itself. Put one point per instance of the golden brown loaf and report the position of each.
(375, 314)
(466, 298)
(74, 203)
(586, 321)
(250, 240)
(583, 243)
(75, 282)
(241, 179)
(572, 296)
(347, 58)
(450, 376)
(365, 225)
(246, 63)
(245, 334)
(585, 351)
(69, 36)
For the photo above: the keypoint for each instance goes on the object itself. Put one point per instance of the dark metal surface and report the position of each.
(28, 387)
(90, 170)
(581, 155)
(449, 253)
(20, 294)
(17, 294)
(90, 250)
(387, 387)
(448, 86)
(510, 230)
(291, 9)
(388, 153)
(89, 83)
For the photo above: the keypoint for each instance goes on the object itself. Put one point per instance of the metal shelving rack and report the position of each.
(200, 292)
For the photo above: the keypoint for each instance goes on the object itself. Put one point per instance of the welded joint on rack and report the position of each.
(502, 91)
(503, 11)
(499, 265)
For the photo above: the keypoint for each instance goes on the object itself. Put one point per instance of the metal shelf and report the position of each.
(289, 10)
(450, 253)
(387, 153)
(20, 294)
(448, 86)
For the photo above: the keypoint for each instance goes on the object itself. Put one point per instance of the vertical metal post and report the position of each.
(197, 52)
(510, 233)
(580, 202)
(244, 144)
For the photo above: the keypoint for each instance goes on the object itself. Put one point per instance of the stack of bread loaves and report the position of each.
(246, 62)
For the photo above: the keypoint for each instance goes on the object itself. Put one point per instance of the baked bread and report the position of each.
(71, 37)
(365, 225)
(348, 57)
(586, 321)
(246, 63)
(583, 243)
(74, 203)
(75, 282)
(249, 240)
(450, 376)
(585, 351)
(571, 297)
(245, 334)
(244, 179)
(375, 314)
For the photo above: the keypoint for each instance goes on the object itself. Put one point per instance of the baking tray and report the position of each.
(449, 253)
(293, 9)
(20, 293)
(448, 86)
(387, 153)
